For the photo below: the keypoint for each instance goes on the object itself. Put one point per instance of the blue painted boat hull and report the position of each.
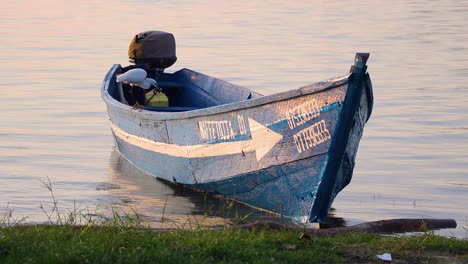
(290, 153)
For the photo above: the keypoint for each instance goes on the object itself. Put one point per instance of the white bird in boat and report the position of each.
(137, 77)
(147, 83)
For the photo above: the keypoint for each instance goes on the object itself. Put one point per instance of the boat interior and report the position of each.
(154, 51)
(185, 89)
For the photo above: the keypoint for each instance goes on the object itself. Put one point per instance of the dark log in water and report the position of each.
(390, 226)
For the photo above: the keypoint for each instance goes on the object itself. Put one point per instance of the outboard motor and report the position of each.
(153, 51)
(155, 48)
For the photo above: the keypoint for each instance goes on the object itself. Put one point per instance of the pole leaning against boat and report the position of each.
(328, 188)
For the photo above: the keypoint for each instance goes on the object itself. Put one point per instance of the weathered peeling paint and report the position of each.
(268, 151)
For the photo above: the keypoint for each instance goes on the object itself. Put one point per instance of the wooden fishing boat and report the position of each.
(290, 153)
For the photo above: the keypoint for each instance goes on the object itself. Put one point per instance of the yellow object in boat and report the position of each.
(156, 99)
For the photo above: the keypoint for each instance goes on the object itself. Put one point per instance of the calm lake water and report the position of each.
(413, 158)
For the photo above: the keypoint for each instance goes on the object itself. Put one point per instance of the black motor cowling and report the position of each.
(156, 48)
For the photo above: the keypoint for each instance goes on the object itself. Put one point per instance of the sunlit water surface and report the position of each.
(413, 158)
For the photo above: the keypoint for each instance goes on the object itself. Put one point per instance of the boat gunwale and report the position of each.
(224, 108)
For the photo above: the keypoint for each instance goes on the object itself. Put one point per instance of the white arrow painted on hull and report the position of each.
(263, 140)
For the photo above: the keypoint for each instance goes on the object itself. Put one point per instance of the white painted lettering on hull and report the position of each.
(242, 127)
(303, 113)
(311, 136)
(211, 130)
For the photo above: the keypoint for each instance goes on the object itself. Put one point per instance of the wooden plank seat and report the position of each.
(171, 108)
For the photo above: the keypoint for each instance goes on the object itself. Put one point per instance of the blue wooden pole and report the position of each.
(339, 140)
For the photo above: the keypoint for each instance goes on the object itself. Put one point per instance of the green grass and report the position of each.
(78, 236)
(114, 244)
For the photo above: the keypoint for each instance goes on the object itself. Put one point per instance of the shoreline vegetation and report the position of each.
(80, 237)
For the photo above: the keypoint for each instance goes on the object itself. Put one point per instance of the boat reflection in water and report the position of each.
(165, 205)
(168, 205)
